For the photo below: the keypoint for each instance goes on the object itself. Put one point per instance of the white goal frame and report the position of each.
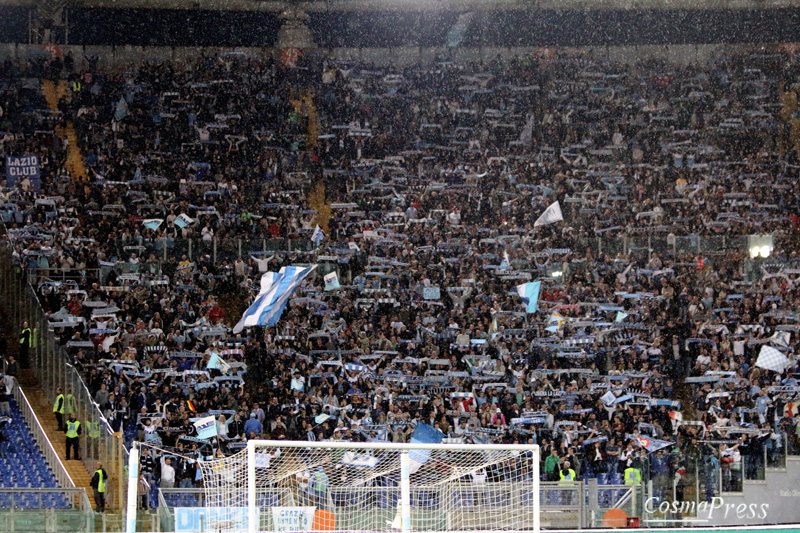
(405, 469)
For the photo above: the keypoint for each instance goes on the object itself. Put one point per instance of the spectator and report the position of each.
(253, 425)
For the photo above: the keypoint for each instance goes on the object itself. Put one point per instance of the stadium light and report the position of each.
(760, 245)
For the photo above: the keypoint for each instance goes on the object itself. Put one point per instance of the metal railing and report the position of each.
(26, 498)
(48, 359)
(59, 470)
(45, 510)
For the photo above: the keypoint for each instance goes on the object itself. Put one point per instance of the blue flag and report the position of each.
(331, 281)
(183, 220)
(121, 110)
(215, 361)
(318, 235)
(426, 434)
(529, 292)
(152, 223)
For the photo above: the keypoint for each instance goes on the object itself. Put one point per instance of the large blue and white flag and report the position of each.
(426, 434)
(318, 235)
(551, 215)
(183, 220)
(530, 292)
(276, 289)
(652, 445)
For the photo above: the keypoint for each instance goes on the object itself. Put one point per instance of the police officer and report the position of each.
(58, 409)
(98, 483)
(633, 476)
(73, 432)
(567, 474)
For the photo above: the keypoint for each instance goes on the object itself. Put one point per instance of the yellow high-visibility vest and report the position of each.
(633, 476)
(569, 477)
(71, 404)
(101, 482)
(93, 429)
(59, 405)
(72, 429)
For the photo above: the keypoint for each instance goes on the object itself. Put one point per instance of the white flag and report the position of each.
(771, 359)
(551, 215)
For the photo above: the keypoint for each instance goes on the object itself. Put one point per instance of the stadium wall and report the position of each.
(771, 501)
(122, 56)
(427, 28)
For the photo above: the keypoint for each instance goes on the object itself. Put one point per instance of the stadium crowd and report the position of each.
(651, 316)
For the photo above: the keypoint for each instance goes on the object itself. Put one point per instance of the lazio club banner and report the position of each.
(20, 167)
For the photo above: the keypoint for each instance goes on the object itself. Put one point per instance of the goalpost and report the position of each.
(298, 486)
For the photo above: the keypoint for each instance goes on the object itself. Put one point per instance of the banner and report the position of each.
(292, 518)
(431, 293)
(21, 167)
(206, 427)
(212, 519)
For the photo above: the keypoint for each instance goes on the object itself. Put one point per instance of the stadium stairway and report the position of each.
(313, 125)
(75, 163)
(44, 412)
(317, 197)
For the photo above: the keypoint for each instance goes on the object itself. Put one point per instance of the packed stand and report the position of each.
(640, 357)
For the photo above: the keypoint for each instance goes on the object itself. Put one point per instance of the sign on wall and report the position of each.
(202, 519)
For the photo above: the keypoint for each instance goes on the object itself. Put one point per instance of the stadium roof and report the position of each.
(422, 5)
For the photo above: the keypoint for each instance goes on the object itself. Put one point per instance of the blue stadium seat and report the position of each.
(602, 478)
(424, 499)
(23, 465)
(387, 500)
(269, 500)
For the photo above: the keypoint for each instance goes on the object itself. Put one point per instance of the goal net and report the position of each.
(346, 486)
